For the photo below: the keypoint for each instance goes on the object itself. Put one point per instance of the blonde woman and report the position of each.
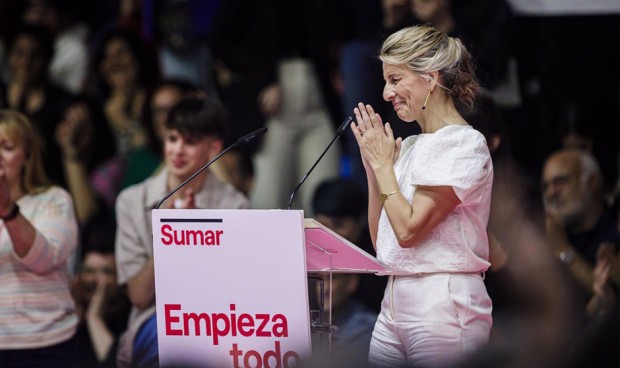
(38, 234)
(429, 202)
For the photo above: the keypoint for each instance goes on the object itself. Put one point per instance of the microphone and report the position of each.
(339, 132)
(240, 142)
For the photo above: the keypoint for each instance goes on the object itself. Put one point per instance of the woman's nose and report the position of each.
(388, 93)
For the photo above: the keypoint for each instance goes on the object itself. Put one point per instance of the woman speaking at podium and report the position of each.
(429, 202)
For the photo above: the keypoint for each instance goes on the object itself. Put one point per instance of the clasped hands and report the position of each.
(378, 146)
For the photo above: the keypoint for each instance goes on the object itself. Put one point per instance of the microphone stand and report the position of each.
(240, 142)
(341, 129)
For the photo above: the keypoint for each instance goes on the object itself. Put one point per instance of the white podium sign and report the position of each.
(231, 288)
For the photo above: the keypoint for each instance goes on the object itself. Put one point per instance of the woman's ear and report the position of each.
(432, 81)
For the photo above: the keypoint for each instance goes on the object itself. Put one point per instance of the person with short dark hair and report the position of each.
(194, 131)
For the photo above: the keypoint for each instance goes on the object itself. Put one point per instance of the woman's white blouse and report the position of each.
(455, 156)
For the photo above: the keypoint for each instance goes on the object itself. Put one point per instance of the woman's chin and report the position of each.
(406, 117)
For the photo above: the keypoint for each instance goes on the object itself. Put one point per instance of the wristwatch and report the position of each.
(12, 214)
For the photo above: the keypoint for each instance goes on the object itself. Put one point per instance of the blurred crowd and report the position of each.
(128, 98)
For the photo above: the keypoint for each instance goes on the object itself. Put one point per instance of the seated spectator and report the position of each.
(582, 231)
(39, 236)
(194, 131)
(102, 306)
(85, 142)
(122, 75)
(578, 219)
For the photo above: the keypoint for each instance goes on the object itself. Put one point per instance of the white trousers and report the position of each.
(431, 321)
(297, 136)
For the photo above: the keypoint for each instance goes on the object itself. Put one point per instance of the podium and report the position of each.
(232, 285)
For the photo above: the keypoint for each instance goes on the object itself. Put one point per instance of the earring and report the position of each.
(425, 101)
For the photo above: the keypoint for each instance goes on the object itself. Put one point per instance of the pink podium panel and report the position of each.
(327, 251)
(231, 291)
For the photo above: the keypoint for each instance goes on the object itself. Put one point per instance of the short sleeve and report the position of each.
(455, 156)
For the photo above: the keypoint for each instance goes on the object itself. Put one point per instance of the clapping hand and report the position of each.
(74, 133)
(376, 140)
(187, 201)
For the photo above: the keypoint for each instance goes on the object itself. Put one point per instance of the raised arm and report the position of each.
(411, 222)
(45, 240)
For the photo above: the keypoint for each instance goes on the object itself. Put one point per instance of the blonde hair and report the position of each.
(425, 49)
(17, 127)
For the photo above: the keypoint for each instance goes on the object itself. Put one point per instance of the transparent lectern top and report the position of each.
(327, 251)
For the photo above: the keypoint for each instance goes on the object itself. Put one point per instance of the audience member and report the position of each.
(102, 306)
(180, 30)
(86, 142)
(123, 72)
(29, 90)
(122, 75)
(194, 131)
(578, 219)
(39, 236)
(301, 104)
(146, 160)
(63, 18)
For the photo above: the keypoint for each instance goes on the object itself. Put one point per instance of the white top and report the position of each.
(457, 156)
(36, 307)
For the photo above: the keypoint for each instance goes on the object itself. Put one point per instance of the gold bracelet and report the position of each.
(383, 197)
